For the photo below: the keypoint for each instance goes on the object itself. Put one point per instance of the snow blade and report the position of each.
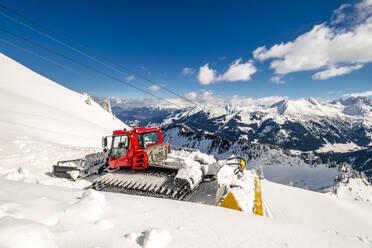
(80, 168)
(206, 193)
(70, 169)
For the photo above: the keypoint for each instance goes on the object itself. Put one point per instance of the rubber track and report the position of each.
(152, 182)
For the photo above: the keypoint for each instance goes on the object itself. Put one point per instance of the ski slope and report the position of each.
(34, 106)
(42, 122)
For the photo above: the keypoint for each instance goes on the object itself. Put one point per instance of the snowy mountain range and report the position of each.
(338, 130)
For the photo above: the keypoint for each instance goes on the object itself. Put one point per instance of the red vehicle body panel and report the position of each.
(136, 157)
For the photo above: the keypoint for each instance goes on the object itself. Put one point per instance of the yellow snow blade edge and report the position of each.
(230, 202)
(258, 209)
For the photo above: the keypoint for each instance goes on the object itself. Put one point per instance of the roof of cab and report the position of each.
(137, 130)
(144, 129)
(120, 132)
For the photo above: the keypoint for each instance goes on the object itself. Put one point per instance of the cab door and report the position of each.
(120, 149)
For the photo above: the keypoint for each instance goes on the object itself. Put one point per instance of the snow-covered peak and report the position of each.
(309, 107)
(268, 101)
(356, 100)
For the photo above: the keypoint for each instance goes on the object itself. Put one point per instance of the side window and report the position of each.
(140, 140)
(120, 144)
(151, 138)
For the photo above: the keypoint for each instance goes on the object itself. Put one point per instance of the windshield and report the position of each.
(151, 138)
(120, 145)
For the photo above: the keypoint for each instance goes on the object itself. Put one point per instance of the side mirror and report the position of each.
(104, 142)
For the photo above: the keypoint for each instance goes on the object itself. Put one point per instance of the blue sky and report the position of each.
(161, 38)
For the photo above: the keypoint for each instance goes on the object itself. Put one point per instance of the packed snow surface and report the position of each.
(15, 232)
(58, 217)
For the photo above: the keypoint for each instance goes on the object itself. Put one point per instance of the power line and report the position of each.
(127, 70)
(88, 50)
(45, 58)
(84, 65)
(56, 40)
(87, 75)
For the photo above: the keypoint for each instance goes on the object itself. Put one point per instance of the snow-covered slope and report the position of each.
(342, 218)
(34, 106)
(42, 122)
(39, 216)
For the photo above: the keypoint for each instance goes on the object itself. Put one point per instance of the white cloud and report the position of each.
(237, 71)
(205, 97)
(191, 95)
(206, 75)
(363, 10)
(130, 78)
(277, 79)
(155, 87)
(365, 94)
(187, 71)
(338, 15)
(326, 46)
(335, 71)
